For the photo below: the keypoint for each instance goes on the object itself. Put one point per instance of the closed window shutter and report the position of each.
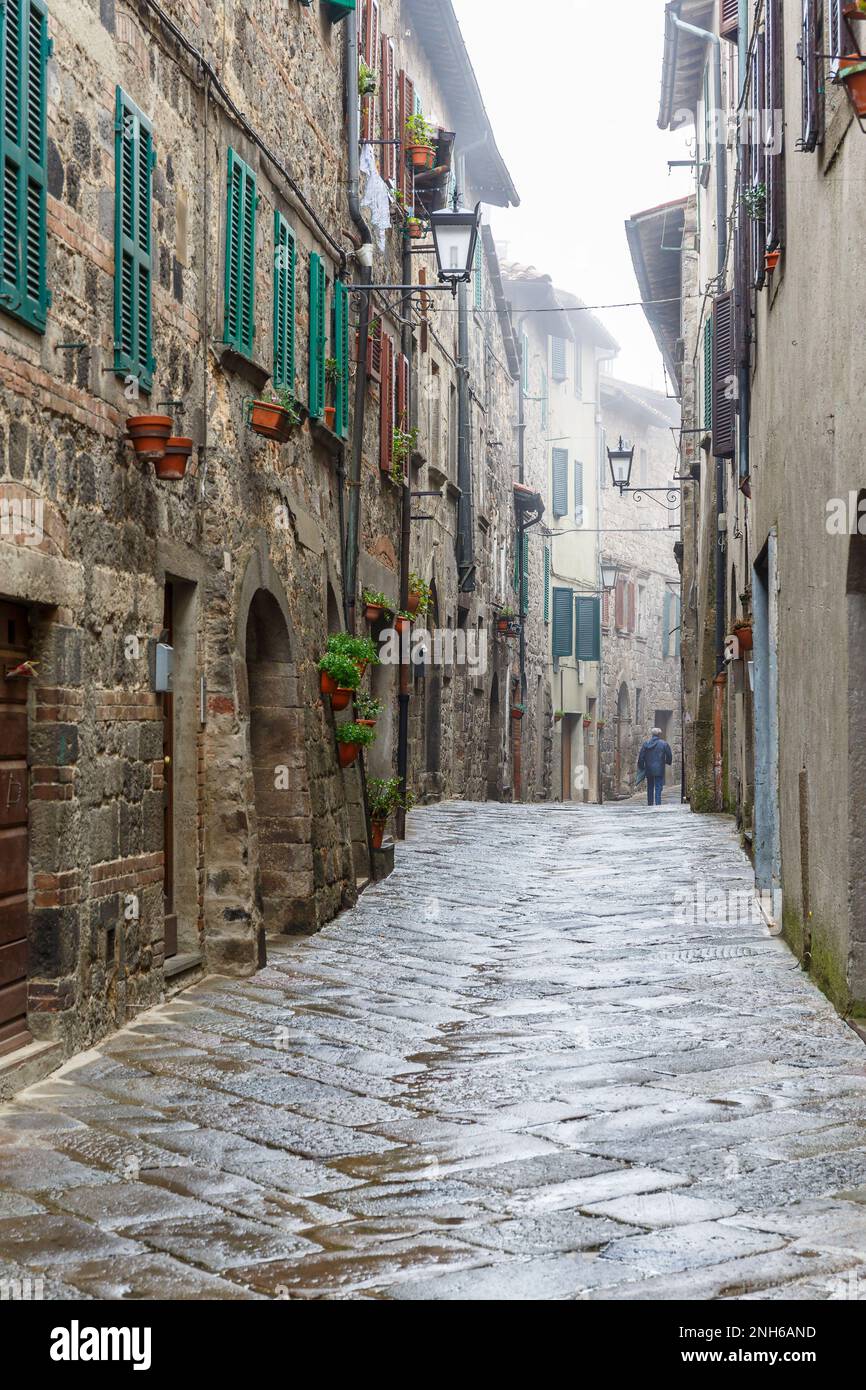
(133, 278)
(24, 51)
(546, 584)
(724, 406)
(742, 288)
(810, 74)
(666, 624)
(708, 374)
(562, 635)
(479, 274)
(578, 493)
(678, 615)
(240, 256)
(368, 38)
(619, 607)
(317, 336)
(631, 606)
(560, 482)
(525, 602)
(386, 113)
(729, 19)
(341, 352)
(774, 162)
(587, 645)
(559, 359)
(285, 260)
(386, 405)
(606, 608)
(374, 350)
(405, 109)
(756, 157)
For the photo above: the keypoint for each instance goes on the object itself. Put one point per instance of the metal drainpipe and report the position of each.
(521, 459)
(745, 385)
(405, 546)
(365, 261)
(465, 546)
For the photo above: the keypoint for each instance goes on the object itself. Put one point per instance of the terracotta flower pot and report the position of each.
(422, 156)
(341, 698)
(377, 833)
(366, 723)
(270, 420)
(852, 71)
(503, 624)
(172, 465)
(348, 753)
(401, 625)
(330, 416)
(516, 713)
(374, 613)
(327, 684)
(771, 259)
(415, 230)
(413, 603)
(149, 434)
(743, 634)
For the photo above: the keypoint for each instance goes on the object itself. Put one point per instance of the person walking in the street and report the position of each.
(655, 755)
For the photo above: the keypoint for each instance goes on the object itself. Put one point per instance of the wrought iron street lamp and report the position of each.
(620, 461)
(609, 574)
(455, 233)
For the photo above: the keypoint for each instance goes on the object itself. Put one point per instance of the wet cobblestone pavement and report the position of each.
(519, 1069)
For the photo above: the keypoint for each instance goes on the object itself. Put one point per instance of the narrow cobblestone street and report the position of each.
(519, 1069)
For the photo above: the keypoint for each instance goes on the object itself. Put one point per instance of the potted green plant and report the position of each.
(414, 228)
(367, 80)
(383, 798)
(420, 595)
(743, 634)
(149, 435)
(419, 142)
(600, 724)
(367, 711)
(172, 466)
(402, 444)
(351, 738)
(376, 605)
(402, 623)
(333, 375)
(274, 414)
(361, 650)
(505, 619)
(339, 677)
(755, 201)
(558, 715)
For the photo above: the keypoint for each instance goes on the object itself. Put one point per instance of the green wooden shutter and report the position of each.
(318, 291)
(560, 482)
(479, 274)
(340, 8)
(285, 258)
(24, 50)
(134, 159)
(678, 614)
(341, 352)
(588, 629)
(547, 584)
(666, 625)
(559, 359)
(525, 604)
(708, 375)
(578, 493)
(240, 265)
(562, 637)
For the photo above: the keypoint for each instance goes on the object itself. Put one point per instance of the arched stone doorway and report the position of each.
(623, 740)
(282, 813)
(494, 745)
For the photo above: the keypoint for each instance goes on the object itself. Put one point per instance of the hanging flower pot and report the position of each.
(330, 417)
(327, 684)
(402, 625)
(341, 697)
(422, 156)
(149, 434)
(377, 833)
(367, 723)
(600, 724)
(271, 420)
(771, 259)
(557, 718)
(587, 723)
(412, 603)
(172, 466)
(517, 711)
(414, 229)
(743, 634)
(374, 613)
(852, 71)
(348, 752)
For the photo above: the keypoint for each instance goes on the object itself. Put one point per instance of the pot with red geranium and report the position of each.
(351, 738)
(339, 678)
(384, 797)
(419, 142)
(275, 414)
(333, 377)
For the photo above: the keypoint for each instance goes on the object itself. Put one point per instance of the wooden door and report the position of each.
(567, 726)
(14, 835)
(168, 785)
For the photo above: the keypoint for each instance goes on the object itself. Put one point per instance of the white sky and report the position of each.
(572, 89)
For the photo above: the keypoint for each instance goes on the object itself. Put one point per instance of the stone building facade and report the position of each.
(180, 228)
(641, 617)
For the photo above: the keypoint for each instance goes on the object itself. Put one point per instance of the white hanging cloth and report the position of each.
(376, 196)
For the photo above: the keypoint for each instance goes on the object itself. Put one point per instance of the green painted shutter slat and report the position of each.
(285, 259)
(525, 604)
(588, 629)
(560, 482)
(578, 493)
(546, 584)
(666, 624)
(479, 274)
(341, 352)
(340, 8)
(317, 337)
(562, 637)
(133, 258)
(240, 256)
(708, 375)
(24, 50)
(559, 359)
(678, 612)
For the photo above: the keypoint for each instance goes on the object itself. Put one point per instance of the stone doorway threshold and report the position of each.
(28, 1065)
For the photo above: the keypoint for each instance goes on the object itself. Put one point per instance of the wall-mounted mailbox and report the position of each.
(163, 668)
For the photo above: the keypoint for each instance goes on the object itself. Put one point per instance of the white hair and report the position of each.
(657, 733)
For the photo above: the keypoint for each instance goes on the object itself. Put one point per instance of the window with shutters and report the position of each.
(729, 19)
(547, 583)
(133, 259)
(341, 353)
(587, 625)
(24, 51)
(559, 359)
(387, 114)
(578, 493)
(559, 482)
(317, 347)
(708, 375)
(811, 66)
(525, 596)
(774, 152)
(285, 259)
(405, 109)
(724, 403)
(386, 405)
(562, 628)
(369, 48)
(374, 349)
(241, 202)
(478, 279)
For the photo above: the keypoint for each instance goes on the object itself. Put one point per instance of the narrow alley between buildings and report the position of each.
(557, 1056)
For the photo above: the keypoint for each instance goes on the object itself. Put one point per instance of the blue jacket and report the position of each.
(653, 757)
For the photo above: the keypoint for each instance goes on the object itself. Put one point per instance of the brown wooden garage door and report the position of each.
(13, 831)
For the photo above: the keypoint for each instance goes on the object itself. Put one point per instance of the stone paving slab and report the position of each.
(524, 1067)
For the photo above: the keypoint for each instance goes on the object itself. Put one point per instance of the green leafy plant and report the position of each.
(755, 201)
(283, 397)
(418, 132)
(559, 714)
(403, 443)
(373, 599)
(367, 80)
(423, 591)
(333, 371)
(342, 669)
(384, 797)
(357, 649)
(367, 708)
(355, 733)
(506, 613)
